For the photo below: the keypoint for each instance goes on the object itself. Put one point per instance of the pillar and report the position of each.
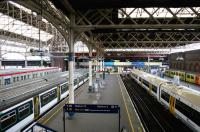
(103, 65)
(148, 64)
(90, 67)
(100, 64)
(71, 60)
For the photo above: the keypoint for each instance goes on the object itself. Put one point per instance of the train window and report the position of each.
(64, 88)
(40, 74)
(146, 83)
(188, 112)
(48, 97)
(154, 89)
(28, 76)
(8, 120)
(7, 81)
(17, 78)
(14, 79)
(24, 111)
(165, 96)
(188, 76)
(75, 81)
(22, 77)
(192, 77)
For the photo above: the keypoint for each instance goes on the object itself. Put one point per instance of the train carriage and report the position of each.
(180, 100)
(184, 76)
(18, 116)
(12, 76)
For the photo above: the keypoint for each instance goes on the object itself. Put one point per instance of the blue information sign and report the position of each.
(91, 108)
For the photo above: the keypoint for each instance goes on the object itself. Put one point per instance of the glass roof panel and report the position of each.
(158, 12)
(7, 23)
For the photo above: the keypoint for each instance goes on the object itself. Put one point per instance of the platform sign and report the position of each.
(138, 64)
(108, 63)
(90, 108)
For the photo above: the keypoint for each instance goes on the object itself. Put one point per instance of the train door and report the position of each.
(172, 101)
(36, 107)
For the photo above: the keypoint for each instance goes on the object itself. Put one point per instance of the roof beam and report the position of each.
(138, 26)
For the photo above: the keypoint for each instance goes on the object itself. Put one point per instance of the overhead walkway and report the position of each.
(113, 93)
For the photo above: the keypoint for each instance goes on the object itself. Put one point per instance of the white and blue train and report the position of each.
(18, 116)
(182, 102)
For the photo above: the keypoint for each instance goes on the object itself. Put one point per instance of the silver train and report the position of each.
(18, 116)
(11, 76)
(182, 102)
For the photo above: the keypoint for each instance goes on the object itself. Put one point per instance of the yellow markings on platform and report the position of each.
(56, 112)
(127, 111)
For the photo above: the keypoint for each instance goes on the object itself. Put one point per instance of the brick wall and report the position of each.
(191, 62)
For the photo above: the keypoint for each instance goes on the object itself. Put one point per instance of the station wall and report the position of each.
(191, 62)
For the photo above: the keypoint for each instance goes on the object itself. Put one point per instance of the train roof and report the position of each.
(186, 93)
(149, 77)
(9, 72)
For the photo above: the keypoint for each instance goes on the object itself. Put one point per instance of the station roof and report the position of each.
(118, 24)
(98, 4)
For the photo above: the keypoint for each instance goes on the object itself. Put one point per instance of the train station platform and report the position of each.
(189, 85)
(113, 93)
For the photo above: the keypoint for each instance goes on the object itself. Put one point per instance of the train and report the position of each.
(12, 76)
(184, 76)
(181, 101)
(16, 117)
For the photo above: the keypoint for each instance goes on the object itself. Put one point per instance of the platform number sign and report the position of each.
(90, 108)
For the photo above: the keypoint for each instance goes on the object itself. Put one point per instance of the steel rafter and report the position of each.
(112, 31)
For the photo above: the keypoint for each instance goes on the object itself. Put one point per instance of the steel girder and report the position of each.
(111, 31)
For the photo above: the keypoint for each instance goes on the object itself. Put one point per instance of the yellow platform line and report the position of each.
(127, 111)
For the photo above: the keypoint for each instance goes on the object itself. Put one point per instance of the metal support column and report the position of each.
(148, 64)
(71, 60)
(101, 65)
(90, 67)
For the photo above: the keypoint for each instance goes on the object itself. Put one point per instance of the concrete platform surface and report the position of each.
(114, 93)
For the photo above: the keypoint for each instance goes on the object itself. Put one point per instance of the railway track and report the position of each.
(153, 115)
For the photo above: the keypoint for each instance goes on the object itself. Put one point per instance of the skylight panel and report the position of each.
(20, 7)
(157, 12)
(7, 23)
